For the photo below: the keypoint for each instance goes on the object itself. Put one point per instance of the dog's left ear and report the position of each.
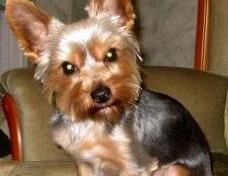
(31, 27)
(122, 9)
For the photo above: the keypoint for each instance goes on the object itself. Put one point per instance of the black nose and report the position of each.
(101, 95)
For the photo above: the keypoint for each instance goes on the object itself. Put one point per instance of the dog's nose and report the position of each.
(101, 94)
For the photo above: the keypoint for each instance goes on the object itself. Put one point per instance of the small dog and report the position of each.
(103, 118)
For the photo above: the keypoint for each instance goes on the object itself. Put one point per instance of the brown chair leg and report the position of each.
(12, 117)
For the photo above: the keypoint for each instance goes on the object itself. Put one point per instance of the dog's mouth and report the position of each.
(109, 111)
(109, 105)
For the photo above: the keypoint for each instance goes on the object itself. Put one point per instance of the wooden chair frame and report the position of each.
(201, 46)
(10, 110)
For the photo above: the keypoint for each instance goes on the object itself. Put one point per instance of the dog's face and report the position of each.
(89, 67)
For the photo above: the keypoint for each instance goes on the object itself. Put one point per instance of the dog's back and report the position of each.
(169, 133)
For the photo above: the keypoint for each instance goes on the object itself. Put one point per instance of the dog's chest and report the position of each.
(89, 140)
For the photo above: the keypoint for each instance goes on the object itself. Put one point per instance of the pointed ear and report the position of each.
(30, 26)
(117, 8)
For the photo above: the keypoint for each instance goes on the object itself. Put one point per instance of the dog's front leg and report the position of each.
(104, 168)
(84, 169)
(95, 168)
(135, 172)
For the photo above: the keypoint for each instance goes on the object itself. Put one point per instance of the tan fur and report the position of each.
(123, 9)
(73, 92)
(102, 150)
(77, 55)
(23, 15)
(98, 50)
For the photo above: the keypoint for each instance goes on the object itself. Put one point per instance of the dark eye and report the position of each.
(69, 68)
(111, 55)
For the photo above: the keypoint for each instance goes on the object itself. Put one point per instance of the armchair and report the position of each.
(28, 112)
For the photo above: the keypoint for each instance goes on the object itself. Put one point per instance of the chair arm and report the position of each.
(12, 117)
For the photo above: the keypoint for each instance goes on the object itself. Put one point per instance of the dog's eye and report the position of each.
(111, 55)
(69, 68)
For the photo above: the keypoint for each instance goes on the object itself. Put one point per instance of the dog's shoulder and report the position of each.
(157, 104)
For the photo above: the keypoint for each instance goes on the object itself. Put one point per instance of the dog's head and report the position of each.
(88, 66)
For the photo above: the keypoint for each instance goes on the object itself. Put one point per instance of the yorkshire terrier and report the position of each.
(104, 119)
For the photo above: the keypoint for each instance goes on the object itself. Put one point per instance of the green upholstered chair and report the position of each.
(203, 94)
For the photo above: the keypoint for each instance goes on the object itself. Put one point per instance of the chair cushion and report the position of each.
(7, 167)
(220, 163)
(44, 168)
(226, 120)
(202, 93)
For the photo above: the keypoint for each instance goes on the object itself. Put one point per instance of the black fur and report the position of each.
(169, 133)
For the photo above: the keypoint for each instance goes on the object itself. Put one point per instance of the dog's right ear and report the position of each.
(122, 10)
(30, 26)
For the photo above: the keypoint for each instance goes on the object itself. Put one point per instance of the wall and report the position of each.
(58, 8)
(168, 31)
(10, 54)
(168, 27)
(167, 34)
(66, 11)
(218, 37)
(78, 11)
